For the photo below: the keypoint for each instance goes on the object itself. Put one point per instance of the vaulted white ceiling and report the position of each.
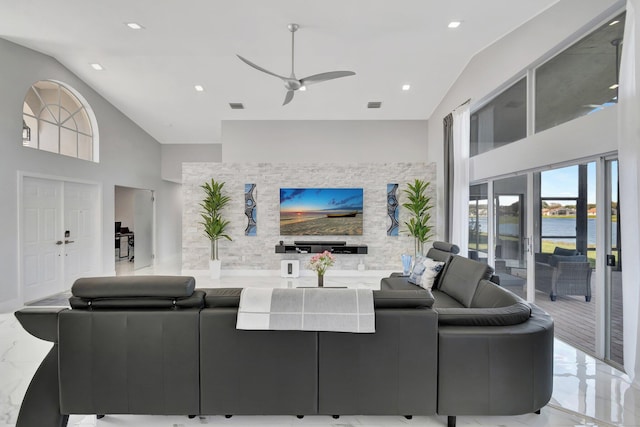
(150, 74)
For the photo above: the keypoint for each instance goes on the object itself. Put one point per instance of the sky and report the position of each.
(319, 199)
(563, 182)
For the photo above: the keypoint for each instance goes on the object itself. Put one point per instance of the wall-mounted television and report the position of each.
(321, 211)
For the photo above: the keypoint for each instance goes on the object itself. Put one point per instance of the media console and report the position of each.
(315, 247)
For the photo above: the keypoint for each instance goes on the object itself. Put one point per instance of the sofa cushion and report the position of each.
(397, 283)
(490, 295)
(222, 297)
(134, 287)
(492, 305)
(565, 252)
(443, 300)
(411, 298)
(446, 247)
(195, 300)
(555, 259)
(397, 294)
(461, 278)
(501, 316)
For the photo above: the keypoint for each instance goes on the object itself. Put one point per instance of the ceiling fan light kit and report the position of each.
(291, 83)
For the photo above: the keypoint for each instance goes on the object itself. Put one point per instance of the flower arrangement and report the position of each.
(321, 262)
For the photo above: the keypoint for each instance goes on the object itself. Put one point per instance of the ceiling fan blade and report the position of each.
(259, 68)
(288, 97)
(323, 77)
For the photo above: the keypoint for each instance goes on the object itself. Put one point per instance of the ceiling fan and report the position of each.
(292, 83)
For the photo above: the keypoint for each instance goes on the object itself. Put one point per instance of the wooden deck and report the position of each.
(575, 319)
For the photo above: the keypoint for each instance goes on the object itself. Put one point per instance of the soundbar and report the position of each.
(319, 243)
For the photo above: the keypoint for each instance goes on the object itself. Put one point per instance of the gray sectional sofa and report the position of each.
(156, 345)
(495, 350)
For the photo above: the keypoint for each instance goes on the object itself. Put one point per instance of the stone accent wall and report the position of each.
(258, 252)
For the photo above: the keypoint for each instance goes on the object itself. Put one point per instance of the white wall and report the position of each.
(585, 137)
(504, 61)
(327, 141)
(173, 155)
(128, 157)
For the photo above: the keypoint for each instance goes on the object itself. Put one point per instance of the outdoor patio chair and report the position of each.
(563, 275)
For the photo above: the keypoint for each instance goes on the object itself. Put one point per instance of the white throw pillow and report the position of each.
(431, 270)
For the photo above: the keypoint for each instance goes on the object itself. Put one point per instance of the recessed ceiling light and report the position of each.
(303, 88)
(614, 22)
(406, 87)
(614, 86)
(454, 24)
(198, 88)
(97, 66)
(134, 25)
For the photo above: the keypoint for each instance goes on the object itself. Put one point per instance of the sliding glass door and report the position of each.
(510, 231)
(613, 267)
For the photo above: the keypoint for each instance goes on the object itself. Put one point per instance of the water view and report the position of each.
(561, 226)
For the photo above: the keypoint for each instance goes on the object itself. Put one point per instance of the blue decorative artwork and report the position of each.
(392, 210)
(250, 210)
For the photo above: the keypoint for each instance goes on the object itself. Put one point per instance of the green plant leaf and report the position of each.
(418, 205)
(212, 205)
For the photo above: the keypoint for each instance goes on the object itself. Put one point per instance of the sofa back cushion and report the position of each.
(133, 292)
(222, 297)
(461, 277)
(491, 306)
(441, 251)
(419, 298)
(407, 296)
(490, 295)
(134, 286)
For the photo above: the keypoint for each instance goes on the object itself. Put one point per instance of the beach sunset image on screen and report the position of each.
(321, 211)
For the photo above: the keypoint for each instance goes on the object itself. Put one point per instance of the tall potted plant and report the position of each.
(419, 206)
(214, 224)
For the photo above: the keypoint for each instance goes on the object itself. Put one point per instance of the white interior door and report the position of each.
(51, 258)
(42, 238)
(81, 231)
(143, 228)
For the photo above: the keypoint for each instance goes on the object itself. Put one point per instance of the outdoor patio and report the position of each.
(575, 319)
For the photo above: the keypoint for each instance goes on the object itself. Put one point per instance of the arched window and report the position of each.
(56, 120)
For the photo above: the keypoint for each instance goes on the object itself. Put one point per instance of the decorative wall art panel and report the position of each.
(250, 210)
(392, 210)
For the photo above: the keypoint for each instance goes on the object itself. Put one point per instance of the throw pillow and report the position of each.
(431, 271)
(416, 273)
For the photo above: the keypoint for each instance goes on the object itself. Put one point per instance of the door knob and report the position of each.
(59, 242)
(68, 241)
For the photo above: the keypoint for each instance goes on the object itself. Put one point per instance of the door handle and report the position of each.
(68, 241)
(59, 242)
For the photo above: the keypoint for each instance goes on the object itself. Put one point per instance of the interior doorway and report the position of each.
(59, 234)
(134, 229)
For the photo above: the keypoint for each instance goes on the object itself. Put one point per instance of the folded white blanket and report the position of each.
(307, 309)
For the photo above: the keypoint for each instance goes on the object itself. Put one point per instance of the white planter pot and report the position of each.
(214, 268)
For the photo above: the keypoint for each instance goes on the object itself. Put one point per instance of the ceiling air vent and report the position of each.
(374, 104)
(236, 105)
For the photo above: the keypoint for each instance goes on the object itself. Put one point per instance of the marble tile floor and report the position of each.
(587, 392)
